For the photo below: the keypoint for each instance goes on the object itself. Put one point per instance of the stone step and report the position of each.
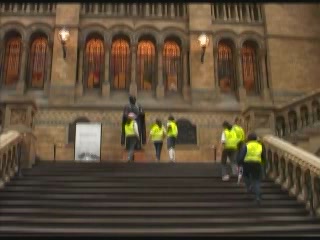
(159, 221)
(226, 230)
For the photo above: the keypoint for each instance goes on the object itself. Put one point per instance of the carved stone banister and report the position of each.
(302, 180)
(299, 99)
(10, 146)
(301, 157)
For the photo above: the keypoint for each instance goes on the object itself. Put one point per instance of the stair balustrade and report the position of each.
(236, 13)
(163, 11)
(295, 169)
(10, 152)
(27, 8)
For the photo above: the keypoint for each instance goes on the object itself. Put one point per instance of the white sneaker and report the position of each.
(225, 178)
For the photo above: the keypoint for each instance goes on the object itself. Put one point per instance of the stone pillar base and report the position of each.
(160, 91)
(133, 90)
(242, 94)
(60, 95)
(266, 94)
(79, 90)
(106, 89)
(216, 93)
(186, 93)
(20, 89)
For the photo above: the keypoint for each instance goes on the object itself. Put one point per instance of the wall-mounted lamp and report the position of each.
(204, 42)
(64, 35)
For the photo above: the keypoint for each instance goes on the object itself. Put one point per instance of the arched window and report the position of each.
(146, 65)
(94, 63)
(249, 68)
(37, 62)
(120, 58)
(12, 60)
(171, 66)
(226, 67)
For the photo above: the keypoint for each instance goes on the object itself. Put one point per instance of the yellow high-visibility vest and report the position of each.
(231, 139)
(157, 133)
(129, 129)
(254, 150)
(240, 132)
(173, 131)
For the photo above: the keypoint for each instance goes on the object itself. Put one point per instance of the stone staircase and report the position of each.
(144, 199)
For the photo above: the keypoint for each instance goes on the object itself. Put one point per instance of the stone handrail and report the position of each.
(287, 118)
(10, 151)
(295, 169)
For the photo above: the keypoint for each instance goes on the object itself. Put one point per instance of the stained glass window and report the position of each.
(226, 68)
(12, 60)
(249, 68)
(37, 62)
(171, 65)
(94, 63)
(146, 65)
(120, 56)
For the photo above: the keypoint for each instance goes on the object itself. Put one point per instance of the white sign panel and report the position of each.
(88, 142)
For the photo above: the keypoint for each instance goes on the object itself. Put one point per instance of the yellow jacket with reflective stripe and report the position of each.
(254, 151)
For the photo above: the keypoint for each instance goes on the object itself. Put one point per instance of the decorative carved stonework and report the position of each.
(262, 121)
(18, 116)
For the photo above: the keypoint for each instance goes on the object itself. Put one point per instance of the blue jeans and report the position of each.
(158, 147)
(131, 141)
(252, 177)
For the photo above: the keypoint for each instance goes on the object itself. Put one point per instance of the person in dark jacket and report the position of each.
(251, 156)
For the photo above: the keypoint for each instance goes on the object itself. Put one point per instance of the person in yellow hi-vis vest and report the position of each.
(172, 134)
(157, 134)
(239, 131)
(132, 134)
(252, 155)
(229, 142)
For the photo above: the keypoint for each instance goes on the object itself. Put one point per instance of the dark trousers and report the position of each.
(131, 142)
(231, 154)
(252, 177)
(158, 148)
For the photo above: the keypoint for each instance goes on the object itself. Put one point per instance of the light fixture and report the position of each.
(204, 42)
(64, 35)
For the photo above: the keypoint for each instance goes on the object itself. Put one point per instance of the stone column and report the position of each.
(106, 81)
(216, 75)
(299, 120)
(63, 76)
(185, 87)
(263, 73)
(286, 123)
(79, 85)
(21, 85)
(2, 50)
(241, 90)
(160, 85)
(133, 84)
(48, 69)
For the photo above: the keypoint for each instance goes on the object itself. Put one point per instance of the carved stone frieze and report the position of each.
(18, 116)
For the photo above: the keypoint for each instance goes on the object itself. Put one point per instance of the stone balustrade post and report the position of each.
(239, 81)
(160, 85)
(21, 84)
(133, 90)
(106, 82)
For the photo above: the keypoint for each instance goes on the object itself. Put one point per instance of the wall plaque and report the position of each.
(187, 132)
